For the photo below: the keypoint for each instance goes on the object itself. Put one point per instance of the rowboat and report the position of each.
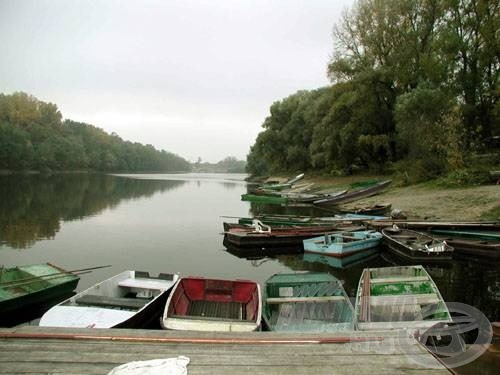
(288, 220)
(490, 226)
(282, 220)
(29, 288)
(342, 244)
(479, 234)
(374, 209)
(321, 227)
(306, 302)
(415, 245)
(203, 304)
(267, 199)
(402, 297)
(131, 299)
(310, 197)
(286, 185)
(353, 195)
(257, 252)
(287, 197)
(264, 236)
(474, 247)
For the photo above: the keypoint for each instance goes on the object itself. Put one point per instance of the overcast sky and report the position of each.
(195, 78)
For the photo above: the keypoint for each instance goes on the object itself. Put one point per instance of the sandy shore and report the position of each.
(423, 201)
(471, 203)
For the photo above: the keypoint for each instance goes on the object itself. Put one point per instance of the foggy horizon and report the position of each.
(194, 78)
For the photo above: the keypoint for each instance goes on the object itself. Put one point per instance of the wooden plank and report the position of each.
(138, 283)
(406, 299)
(277, 300)
(255, 358)
(388, 280)
(144, 333)
(378, 367)
(85, 348)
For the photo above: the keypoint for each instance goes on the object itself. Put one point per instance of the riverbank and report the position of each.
(425, 201)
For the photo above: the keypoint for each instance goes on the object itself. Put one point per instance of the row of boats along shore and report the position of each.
(399, 297)
(353, 234)
(387, 298)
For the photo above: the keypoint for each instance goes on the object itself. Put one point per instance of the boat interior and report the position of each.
(290, 309)
(12, 287)
(200, 298)
(17, 281)
(129, 290)
(401, 294)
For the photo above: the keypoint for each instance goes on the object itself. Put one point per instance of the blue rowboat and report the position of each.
(342, 244)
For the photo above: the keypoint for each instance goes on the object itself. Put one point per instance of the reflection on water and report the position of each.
(343, 262)
(33, 206)
(172, 223)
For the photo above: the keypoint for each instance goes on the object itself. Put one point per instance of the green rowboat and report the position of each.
(268, 199)
(28, 287)
(306, 302)
(399, 298)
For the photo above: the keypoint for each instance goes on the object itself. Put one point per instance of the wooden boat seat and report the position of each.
(401, 300)
(154, 284)
(277, 300)
(388, 280)
(104, 301)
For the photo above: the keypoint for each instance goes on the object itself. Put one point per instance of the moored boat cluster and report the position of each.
(386, 298)
(344, 234)
(290, 302)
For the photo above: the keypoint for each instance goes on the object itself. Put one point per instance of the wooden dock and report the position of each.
(39, 350)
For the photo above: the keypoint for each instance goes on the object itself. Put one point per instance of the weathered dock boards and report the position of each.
(37, 350)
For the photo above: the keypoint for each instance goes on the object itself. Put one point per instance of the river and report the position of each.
(173, 223)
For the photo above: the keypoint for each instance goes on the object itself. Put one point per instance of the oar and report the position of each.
(52, 274)
(17, 284)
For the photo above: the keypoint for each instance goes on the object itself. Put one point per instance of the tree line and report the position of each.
(33, 136)
(415, 87)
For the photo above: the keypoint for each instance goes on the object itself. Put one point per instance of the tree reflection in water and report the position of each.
(33, 206)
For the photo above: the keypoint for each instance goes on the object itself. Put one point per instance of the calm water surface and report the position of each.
(172, 223)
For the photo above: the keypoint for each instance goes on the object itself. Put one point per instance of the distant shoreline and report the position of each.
(7, 172)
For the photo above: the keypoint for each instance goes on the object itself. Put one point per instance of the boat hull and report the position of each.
(485, 249)
(130, 299)
(401, 243)
(31, 305)
(418, 256)
(243, 237)
(351, 196)
(213, 305)
(342, 245)
(402, 297)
